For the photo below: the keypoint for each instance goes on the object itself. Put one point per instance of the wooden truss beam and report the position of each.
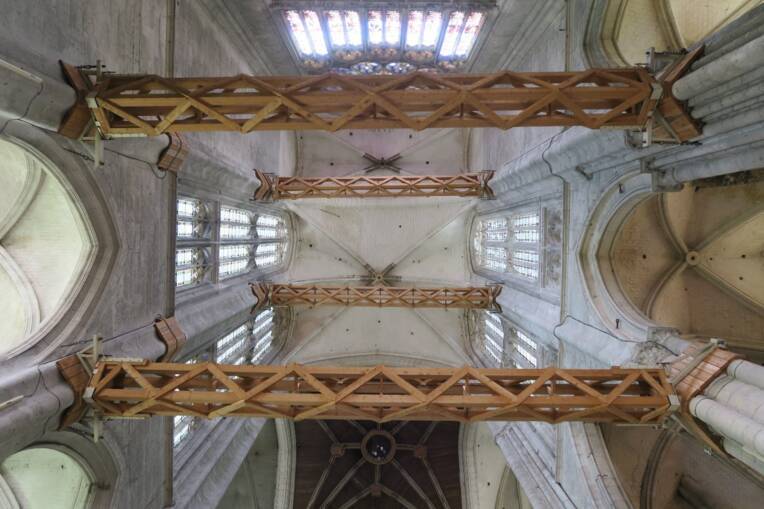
(376, 296)
(364, 186)
(149, 105)
(128, 388)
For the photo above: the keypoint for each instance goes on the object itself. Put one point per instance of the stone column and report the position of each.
(733, 406)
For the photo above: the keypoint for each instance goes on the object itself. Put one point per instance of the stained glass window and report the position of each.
(392, 27)
(367, 41)
(453, 30)
(469, 35)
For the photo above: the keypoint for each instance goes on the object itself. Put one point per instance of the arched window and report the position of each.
(509, 243)
(244, 240)
(500, 343)
(46, 247)
(45, 477)
(492, 335)
(253, 342)
(271, 233)
(372, 40)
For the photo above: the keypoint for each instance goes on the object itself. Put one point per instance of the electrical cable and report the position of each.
(26, 110)
(622, 340)
(106, 340)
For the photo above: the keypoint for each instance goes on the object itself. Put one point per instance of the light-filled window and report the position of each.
(271, 230)
(250, 342)
(232, 348)
(194, 238)
(499, 343)
(262, 334)
(509, 243)
(244, 240)
(270, 227)
(367, 39)
(190, 265)
(526, 347)
(492, 336)
(181, 429)
(192, 219)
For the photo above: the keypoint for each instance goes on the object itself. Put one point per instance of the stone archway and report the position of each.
(46, 246)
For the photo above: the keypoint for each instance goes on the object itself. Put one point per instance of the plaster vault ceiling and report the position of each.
(409, 241)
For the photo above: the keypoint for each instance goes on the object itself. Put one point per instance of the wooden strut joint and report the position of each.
(676, 124)
(170, 333)
(122, 388)
(149, 105)
(172, 157)
(364, 186)
(376, 296)
(72, 370)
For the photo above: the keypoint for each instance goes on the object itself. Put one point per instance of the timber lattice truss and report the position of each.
(376, 296)
(365, 186)
(149, 105)
(128, 388)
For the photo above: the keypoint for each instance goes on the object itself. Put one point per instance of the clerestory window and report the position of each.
(181, 429)
(253, 342)
(242, 241)
(493, 338)
(366, 38)
(499, 343)
(509, 244)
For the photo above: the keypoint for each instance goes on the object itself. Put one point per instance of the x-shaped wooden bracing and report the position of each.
(127, 388)
(149, 105)
(365, 186)
(376, 296)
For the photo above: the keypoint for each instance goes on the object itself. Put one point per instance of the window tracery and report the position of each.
(509, 243)
(255, 341)
(245, 240)
(499, 343)
(365, 39)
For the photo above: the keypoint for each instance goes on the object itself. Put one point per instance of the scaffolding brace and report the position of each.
(376, 296)
(464, 185)
(149, 105)
(129, 388)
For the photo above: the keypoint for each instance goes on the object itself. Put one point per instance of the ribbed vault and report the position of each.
(694, 260)
(399, 242)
